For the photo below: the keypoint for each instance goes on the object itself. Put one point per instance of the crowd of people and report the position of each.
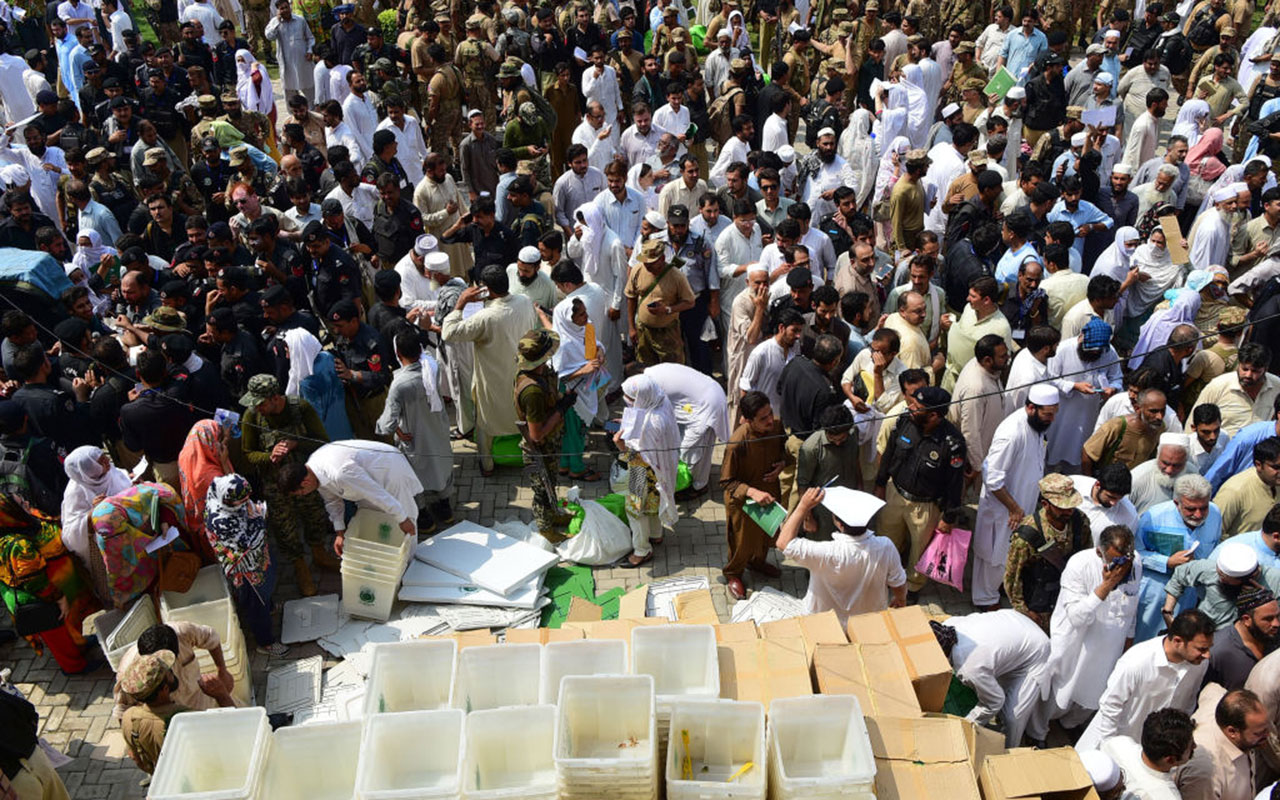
(932, 282)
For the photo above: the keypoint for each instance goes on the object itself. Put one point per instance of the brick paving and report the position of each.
(75, 711)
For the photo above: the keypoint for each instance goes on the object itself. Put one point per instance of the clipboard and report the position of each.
(1173, 239)
(1104, 117)
(1000, 83)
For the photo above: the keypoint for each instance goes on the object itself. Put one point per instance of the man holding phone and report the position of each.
(657, 292)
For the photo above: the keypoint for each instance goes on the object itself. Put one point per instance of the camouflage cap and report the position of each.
(230, 97)
(652, 250)
(840, 13)
(739, 65)
(384, 64)
(535, 348)
(976, 84)
(475, 22)
(207, 101)
(1075, 112)
(261, 388)
(146, 673)
(96, 156)
(165, 319)
(239, 155)
(510, 68)
(1059, 492)
(1231, 317)
(153, 156)
(965, 47)
(845, 26)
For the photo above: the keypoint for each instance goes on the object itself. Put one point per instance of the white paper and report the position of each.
(1103, 117)
(485, 557)
(138, 469)
(471, 309)
(767, 604)
(309, 618)
(524, 597)
(170, 534)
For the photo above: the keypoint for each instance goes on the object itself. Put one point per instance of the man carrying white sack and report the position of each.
(997, 654)
(1011, 476)
(370, 474)
(702, 412)
(856, 570)
(1093, 620)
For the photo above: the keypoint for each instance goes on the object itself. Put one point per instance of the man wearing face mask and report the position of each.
(1093, 376)
(1130, 439)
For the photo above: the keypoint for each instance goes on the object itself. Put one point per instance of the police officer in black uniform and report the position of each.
(333, 274)
(281, 317)
(397, 223)
(211, 176)
(235, 351)
(699, 268)
(363, 361)
(384, 161)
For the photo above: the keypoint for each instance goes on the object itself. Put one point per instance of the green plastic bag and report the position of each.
(698, 33)
(683, 479)
(615, 504)
(960, 698)
(506, 451)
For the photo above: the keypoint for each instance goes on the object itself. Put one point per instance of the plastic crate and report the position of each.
(124, 632)
(819, 748)
(209, 586)
(411, 755)
(410, 676)
(724, 737)
(314, 762)
(582, 657)
(212, 755)
(509, 754)
(494, 676)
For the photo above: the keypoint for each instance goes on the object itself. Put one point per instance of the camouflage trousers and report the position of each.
(294, 522)
(257, 19)
(540, 473)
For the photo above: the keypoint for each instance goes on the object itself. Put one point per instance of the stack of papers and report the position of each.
(767, 604)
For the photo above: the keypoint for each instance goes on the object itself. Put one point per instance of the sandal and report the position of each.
(564, 471)
(637, 564)
(589, 476)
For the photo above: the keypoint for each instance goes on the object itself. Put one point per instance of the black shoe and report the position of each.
(426, 522)
(442, 512)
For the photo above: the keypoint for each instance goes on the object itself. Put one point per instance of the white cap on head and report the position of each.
(949, 109)
(1111, 33)
(424, 244)
(828, 131)
(1102, 770)
(1239, 187)
(1042, 394)
(1237, 560)
(756, 266)
(1017, 93)
(529, 255)
(15, 175)
(1122, 169)
(1223, 194)
(724, 34)
(437, 261)
(787, 153)
(656, 220)
(854, 508)
(1078, 139)
(1105, 78)
(1168, 439)
(475, 112)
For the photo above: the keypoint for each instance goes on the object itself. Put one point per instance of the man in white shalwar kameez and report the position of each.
(414, 418)
(1010, 482)
(830, 175)
(590, 133)
(1153, 479)
(1097, 610)
(294, 40)
(997, 654)
(737, 248)
(367, 473)
(359, 112)
(1098, 499)
(495, 330)
(1210, 237)
(1030, 365)
(702, 412)
(18, 102)
(1164, 672)
(602, 259)
(740, 342)
(600, 83)
(1091, 371)
(946, 164)
(411, 148)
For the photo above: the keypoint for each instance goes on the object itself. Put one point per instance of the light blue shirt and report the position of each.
(1086, 213)
(622, 217)
(503, 210)
(1161, 532)
(1020, 51)
(1266, 556)
(1238, 454)
(79, 57)
(1007, 268)
(1111, 65)
(97, 217)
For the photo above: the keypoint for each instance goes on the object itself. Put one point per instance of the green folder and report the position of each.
(1166, 544)
(769, 518)
(1000, 83)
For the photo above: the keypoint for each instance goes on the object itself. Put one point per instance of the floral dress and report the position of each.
(124, 525)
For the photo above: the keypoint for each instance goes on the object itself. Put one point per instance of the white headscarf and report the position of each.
(431, 381)
(88, 480)
(859, 148)
(88, 258)
(652, 432)
(899, 145)
(1157, 263)
(1114, 261)
(303, 349)
(917, 105)
(1155, 331)
(253, 98)
(572, 354)
(593, 241)
(741, 41)
(1190, 119)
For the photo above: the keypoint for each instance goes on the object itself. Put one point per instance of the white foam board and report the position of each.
(485, 557)
(525, 596)
(309, 618)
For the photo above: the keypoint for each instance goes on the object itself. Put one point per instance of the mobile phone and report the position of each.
(654, 305)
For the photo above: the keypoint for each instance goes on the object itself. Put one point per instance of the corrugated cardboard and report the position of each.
(737, 632)
(583, 610)
(908, 627)
(614, 628)
(632, 604)
(542, 635)
(695, 608)
(815, 629)
(469, 638)
(876, 673)
(761, 669)
(922, 757)
(1036, 774)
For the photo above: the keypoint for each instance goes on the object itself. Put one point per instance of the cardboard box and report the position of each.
(542, 635)
(632, 605)
(759, 670)
(923, 758)
(1036, 774)
(613, 628)
(876, 673)
(469, 638)
(908, 628)
(815, 629)
(737, 631)
(695, 608)
(582, 610)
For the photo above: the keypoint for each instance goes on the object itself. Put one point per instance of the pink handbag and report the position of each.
(944, 559)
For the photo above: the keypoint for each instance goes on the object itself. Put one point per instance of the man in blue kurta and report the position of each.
(1170, 534)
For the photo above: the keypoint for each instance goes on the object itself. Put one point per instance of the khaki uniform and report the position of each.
(864, 33)
(962, 12)
(444, 94)
(535, 401)
(143, 729)
(475, 58)
(797, 86)
(254, 125)
(658, 339)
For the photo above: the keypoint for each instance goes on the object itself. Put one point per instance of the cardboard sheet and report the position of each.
(923, 757)
(875, 673)
(737, 632)
(1035, 774)
(1173, 239)
(814, 629)
(695, 608)
(760, 670)
(908, 628)
(542, 635)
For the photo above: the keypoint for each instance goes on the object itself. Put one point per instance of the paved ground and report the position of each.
(76, 711)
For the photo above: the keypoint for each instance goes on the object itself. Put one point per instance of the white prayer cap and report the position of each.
(437, 262)
(1017, 93)
(15, 175)
(656, 220)
(529, 255)
(828, 131)
(756, 266)
(1042, 394)
(1237, 560)
(1168, 439)
(475, 112)
(424, 244)
(855, 509)
(1122, 169)
(949, 109)
(724, 34)
(1111, 33)
(1104, 78)
(787, 153)
(1223, 194)
(1102, 770)
(1077, 139)
(1264, 159)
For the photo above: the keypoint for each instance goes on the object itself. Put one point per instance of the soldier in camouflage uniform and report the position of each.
(797, 78)
(386, 82)
(445, 92)
(253, 125)
(964, 68)
(865, 31)
(476, 57)
(540, 413)
(514, 91)
(257, 14)
(1041, 545)
(281, 430)
(964, 13)
(1059, 15)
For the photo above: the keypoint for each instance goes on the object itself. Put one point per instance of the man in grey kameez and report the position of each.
(414, 418)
